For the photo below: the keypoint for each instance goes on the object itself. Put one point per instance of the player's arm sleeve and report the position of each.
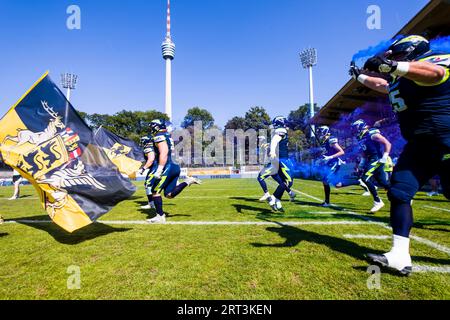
(274, 143)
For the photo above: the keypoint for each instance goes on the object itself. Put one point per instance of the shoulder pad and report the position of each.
(439, 59)
(281, 132)
(159, 138)
(374, 131)
(333, 140)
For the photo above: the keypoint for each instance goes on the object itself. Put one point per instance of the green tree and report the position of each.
(198, 114)
(236, 123)
(257, 118)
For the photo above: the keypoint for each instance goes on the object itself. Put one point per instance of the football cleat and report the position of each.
(325, 204)
(1, 220)
(265, 197)
(13, 198)
(366, 194)
(278, 206)
(157, 219)
(292, 196)
(191, 180)
(402, 265)
(273, 203)
(377, 206)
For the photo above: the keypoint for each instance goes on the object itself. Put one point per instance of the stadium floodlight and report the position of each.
(308, 58)
(69, 82)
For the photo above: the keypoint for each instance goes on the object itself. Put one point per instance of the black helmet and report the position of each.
(408, 48)
(157, 125)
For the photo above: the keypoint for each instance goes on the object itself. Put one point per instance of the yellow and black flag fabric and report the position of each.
(124, 153)
(46, 141)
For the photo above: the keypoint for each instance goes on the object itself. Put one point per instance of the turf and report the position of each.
(278, 261)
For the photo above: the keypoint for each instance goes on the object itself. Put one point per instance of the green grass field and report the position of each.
(306, 253)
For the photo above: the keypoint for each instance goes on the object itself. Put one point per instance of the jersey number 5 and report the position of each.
(398, 104)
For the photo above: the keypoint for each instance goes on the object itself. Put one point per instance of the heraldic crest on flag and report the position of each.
(49, 144)
(124, 153)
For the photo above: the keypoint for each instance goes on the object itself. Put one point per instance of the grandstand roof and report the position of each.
(432, 21)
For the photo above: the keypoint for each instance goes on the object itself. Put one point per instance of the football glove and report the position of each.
(354, 71)
(384, 159)
(158, 174)
(380, 64)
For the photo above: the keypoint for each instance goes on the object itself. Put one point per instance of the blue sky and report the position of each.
(231, 54)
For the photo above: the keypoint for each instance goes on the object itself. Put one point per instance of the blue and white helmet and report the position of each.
(322, 132)
(145, 140)
(359, 126)
(279, 122)
(157, 125)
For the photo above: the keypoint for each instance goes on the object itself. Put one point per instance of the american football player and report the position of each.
(330, 159)
(279, 167)
(375, 149)
(417, 81)
(165, 173)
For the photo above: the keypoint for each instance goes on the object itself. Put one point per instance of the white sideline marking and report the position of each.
(436, 208)
(202, 223)
(427, 242)
(444, 269)
(365, 236)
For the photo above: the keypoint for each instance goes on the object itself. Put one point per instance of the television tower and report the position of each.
(168, 52)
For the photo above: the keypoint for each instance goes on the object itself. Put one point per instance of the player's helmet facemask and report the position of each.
(408, 48)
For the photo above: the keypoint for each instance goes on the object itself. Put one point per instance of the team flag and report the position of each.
(124, 153)
(46, 141)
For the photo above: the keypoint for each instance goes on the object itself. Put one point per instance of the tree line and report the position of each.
(134, 124)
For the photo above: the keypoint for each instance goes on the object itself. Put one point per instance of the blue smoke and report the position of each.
(441, 44)
(373, 50)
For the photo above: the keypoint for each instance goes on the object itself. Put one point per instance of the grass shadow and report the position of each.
(294, 236)
(3, 235)
(87, 233)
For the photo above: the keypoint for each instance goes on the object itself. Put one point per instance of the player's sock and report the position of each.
(327, 190)
(263, 184)
(278, 192)
(401, 218)
(177, 190)
(372, 190)
(150, 198)
(158, 205)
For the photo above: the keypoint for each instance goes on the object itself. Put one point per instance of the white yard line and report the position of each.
(436, 208)
(366, 236)
(443, 269)
(205, 223)
(424, 241)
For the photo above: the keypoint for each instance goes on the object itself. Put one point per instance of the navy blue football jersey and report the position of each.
(423, 109)
(372, 150)
(327, 145)
(159, 138)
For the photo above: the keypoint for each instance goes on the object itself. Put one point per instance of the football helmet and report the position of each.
(279, 122)
(408, 48)
(157, 125)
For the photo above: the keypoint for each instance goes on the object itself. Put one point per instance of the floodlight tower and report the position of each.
(308, 58)
(69, 82)
(168, 52)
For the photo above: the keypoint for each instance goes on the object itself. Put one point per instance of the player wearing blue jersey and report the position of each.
(418, 86)
(279, 167)
(375, 155)
(331, 160)
(164, 174)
